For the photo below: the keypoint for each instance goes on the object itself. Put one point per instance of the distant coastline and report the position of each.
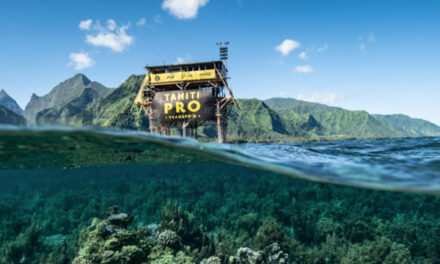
(80, 102)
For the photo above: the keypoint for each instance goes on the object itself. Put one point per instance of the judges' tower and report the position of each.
(187, 95)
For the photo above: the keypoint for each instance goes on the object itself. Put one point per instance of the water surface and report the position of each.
(57, 185)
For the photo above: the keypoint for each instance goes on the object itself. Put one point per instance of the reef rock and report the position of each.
(120, 219)
(246, 255)
(275, 255)
(153, 229)
(108, 242)
(81, 260)
(212, 260)
(169, 239)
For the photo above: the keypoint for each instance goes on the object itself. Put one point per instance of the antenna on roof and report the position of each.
(223, 51)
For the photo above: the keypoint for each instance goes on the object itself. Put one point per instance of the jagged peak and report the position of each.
(77, 78)
(34, 96)
(82, 78)
(4, 94)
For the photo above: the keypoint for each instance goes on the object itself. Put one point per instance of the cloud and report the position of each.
(180, 60)
(312, 51)
(364, 40)
(85, 25)
(287, 46)
(183, 9)
(303, 55)
(111, 25)
(371, 38)
(303, 69)
(80, 60)
(112, 36)
(141, 22)
(322, 48)
(158, 19)
(321, 97)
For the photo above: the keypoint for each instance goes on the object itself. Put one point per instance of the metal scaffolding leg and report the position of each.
(225, 129)
(220, 132)
(151, 125)
(184, 129)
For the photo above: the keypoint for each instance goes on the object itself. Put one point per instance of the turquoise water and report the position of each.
(405, 164)
(188, 202)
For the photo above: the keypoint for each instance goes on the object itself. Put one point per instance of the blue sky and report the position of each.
(379, 56)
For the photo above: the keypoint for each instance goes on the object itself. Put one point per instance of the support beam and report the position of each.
(225, 130)
(227, 87)
(151, 125)
(184, 129)
(219, 123)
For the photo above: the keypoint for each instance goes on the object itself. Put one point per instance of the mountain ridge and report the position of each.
(64, 91)
(9, 117)
(275, 119)
(411, 125)
(7, 101)
(62, 113)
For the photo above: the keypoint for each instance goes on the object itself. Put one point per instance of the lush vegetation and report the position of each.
(10, 118)
(276, 119)
(337, 121)
(62, 114)
(410, 126)
(63, 92)
(111, 111)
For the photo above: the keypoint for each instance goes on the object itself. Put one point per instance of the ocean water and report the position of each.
(103, 196)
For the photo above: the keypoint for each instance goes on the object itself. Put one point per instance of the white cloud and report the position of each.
(364, 40)
(158, 19)
(322, 48)
(141, 22)
(311, 52)
(180, 60)
(303, 55)
(321, 97)
(111, 25)
(287, 46)
(184, 59)
(85, 25)
(80, 60)
(183, 9)
(113, 36)
(303, 69)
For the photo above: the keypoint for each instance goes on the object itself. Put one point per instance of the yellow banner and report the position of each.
(182, 76)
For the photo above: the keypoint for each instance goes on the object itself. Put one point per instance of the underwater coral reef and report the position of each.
(207, 213)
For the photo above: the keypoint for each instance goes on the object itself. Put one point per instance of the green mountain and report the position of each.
(63, 92)
(411, 126)
(335, 121)
(10, 103)
(276, 119)
(255, 120)
(62, 114)
(114, 109)
(10, 118)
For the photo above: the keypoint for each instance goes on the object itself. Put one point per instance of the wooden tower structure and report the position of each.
(187, 95)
